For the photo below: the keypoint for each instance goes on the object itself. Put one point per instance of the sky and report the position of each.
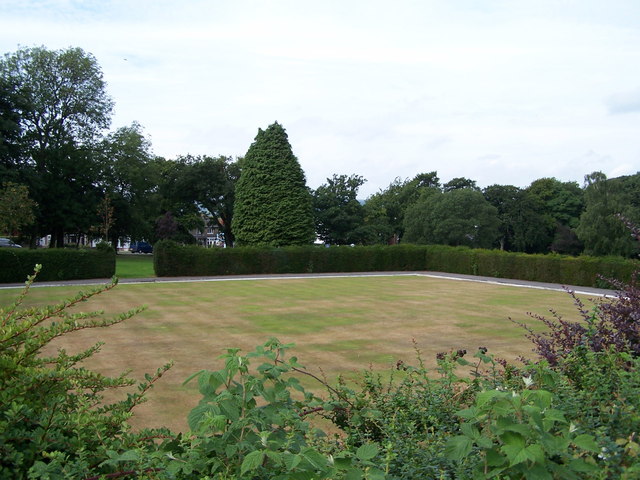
(498, 91)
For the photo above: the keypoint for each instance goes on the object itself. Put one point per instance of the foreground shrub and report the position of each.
(53, 421)
(611, 325)
(249, 424)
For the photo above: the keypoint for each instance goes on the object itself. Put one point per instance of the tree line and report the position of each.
(62, 172)
(547, 216)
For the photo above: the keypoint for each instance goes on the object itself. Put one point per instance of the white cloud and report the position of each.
(502, 92)
(626, 102)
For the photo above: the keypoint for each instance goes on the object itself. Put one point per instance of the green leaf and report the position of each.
(219, 422)
(495, 458)
(291, 460)
(316, 459)
(231, 449)
(586, 442)
(468, 413)
(252, 461)
(230, 408)
(487, 396)
(470, 431)
(353, 474)
(518, 428)
(458, 447)
(579, 465)
(342, 463)
(196, 415)
(192, 376)
(275, 457)
(541, 398)
(128, 456)
(514, 447)
(555, 415)
(535, 453)
(375, 474)
(539, 472)
(367, 451)
(554, 445)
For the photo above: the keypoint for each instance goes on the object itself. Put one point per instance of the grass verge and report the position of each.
(132, 265)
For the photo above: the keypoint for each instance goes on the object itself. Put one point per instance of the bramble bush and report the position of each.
(570, 413)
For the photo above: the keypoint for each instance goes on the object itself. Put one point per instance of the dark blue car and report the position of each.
(141, 247)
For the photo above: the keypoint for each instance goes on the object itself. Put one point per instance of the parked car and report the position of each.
(141, 247)
(7, 242)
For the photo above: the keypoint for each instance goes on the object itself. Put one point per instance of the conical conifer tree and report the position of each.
(273, 205)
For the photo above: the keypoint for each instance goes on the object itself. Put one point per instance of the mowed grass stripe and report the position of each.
(339, 325)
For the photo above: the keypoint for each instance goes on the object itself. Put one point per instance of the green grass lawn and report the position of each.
(133, 265)
(339, 325)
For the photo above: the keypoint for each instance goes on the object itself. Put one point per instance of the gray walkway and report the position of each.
(450, 276)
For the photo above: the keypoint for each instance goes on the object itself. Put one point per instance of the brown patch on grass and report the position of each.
(375, 318)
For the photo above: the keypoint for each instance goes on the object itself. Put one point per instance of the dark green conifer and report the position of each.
(273, 205)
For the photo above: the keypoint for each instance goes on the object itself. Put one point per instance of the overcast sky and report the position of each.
(497, 91)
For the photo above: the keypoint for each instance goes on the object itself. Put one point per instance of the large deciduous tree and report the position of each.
(562, 201)
(129, 177)
(273, 205)
(523, 228)
(606, 200)
(385, 210)
(339, 216)
(63, 109)
(212, 181)
(195, 187)
(560, 204)
(457, 217)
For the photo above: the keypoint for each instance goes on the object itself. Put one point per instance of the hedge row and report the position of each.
(57, 264)
(171, 259)
(584, 270)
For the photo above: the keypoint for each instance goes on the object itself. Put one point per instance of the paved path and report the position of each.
(228, 278)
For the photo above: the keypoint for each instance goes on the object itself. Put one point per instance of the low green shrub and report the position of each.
(252, 423)
(58, 263)
(53, 421)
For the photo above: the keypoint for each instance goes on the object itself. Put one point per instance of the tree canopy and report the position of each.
(522, 228)
(129, 177)
(273, 205)
(339, 216)
(385, 210)
(607, 202)
(457, 217)
(63, 107)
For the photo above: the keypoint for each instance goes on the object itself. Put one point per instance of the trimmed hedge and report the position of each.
(57, 264)
(170, 259)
